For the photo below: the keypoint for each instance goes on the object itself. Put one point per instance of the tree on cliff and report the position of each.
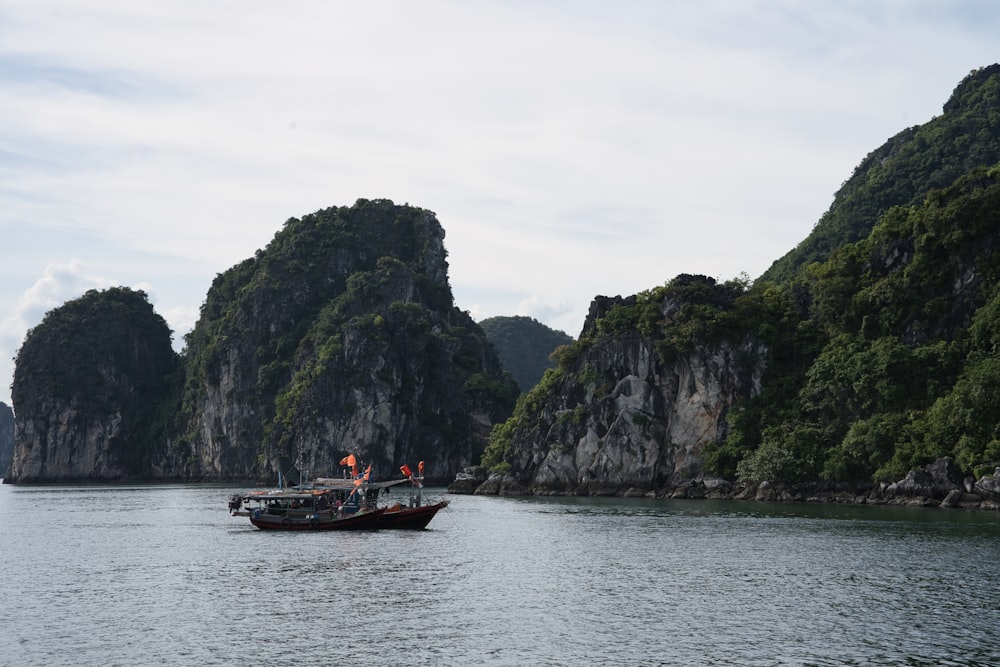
(909, 356)
(90, 384)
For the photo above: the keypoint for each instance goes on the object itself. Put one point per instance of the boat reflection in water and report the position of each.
(333, 503)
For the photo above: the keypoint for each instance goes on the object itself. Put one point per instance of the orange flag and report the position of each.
(420, 467)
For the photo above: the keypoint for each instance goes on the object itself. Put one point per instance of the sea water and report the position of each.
(162, 575)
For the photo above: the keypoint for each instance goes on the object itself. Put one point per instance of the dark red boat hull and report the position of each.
(365, 521)
(414, 518)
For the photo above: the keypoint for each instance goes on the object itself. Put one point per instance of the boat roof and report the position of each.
(319, 486)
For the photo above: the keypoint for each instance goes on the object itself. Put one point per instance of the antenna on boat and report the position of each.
(415, 499)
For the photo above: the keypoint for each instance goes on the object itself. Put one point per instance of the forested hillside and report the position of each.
(903, 170)
(869, 351)
(525, 346)
(905, 330)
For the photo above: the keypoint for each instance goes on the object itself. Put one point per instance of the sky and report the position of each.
(569, 148)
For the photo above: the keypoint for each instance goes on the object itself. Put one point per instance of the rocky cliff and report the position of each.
(862, 358)
(6, 438)
(624, 414)
(89, 383)
(340, 337)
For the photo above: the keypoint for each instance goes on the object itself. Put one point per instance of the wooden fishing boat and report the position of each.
(338, 503)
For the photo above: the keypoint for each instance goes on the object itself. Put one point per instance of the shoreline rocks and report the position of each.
(936, 485)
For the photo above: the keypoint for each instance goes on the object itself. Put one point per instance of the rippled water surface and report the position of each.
(162, 575)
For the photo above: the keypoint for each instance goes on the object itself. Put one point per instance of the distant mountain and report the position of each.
(525, 346)
(903, 170)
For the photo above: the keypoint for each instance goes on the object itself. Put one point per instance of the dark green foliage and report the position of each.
(104, 353)
(910, 263)
(880, 329)
(525, 346)
(526, 412)
(340, 334)
(909, 365)
(688, 311)
(906, 168)
(307, 263)
(346, 302)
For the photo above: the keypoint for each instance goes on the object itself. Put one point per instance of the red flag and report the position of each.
(405, 469)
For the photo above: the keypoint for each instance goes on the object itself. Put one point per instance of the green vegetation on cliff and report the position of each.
(106, 357)
(339, 337)
(880, 328)
(908, 366)
(903, 170)
(908, 315)
(869, 350)
(342, 336)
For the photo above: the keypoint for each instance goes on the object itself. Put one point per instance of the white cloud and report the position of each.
(58, 283)
(569, 149)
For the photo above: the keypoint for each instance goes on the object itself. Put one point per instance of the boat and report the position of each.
(335, 503)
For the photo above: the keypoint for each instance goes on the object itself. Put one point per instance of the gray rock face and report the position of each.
(622, 420)
(340, 337)
(6, 438)
(989, 486)
(65, 443)
(468, 480)
(87, 386)
(936, 480)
